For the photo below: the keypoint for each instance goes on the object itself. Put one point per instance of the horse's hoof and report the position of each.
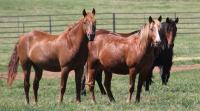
(128, 101)
(59, 101)
(103, 93)
(83, 93)
(77, 101)
(137, 101)
(35, 103)
(113, 101)
(26, 103)
(93, 101)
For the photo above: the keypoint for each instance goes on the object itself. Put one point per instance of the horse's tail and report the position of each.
(12, 66)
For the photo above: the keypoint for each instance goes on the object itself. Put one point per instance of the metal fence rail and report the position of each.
(13, 26)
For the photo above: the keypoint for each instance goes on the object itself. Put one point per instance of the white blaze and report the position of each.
(157, 36)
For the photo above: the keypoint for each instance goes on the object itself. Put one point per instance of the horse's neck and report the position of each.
(75, 36)
(162, 33)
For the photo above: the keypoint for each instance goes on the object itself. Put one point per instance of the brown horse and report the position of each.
(120, 55)
(98, 75)
(64, 53)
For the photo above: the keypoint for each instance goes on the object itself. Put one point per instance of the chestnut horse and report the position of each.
(114, 53)
(165, 57)
(66, 52)
(98, 75)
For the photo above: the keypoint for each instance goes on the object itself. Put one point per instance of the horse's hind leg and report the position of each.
(98, 78)
(91, 82)
(26, 67)
(107, 84)
(78, 76)
(38, 76)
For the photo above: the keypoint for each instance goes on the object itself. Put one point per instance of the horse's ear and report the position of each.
(150, 19)
(160, 18)
(84, 13)
(93, 11)
(176, 21)
(167, 20)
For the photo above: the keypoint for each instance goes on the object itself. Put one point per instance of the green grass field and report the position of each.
(24, 7)
(182, 93)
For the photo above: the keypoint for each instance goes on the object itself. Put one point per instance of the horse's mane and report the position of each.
(144, 31)
(66, 34)
(73, 25)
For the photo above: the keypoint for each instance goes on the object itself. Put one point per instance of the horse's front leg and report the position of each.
(64, 77)
(78, 77)
(142, 77)
(132, 76)
(83, 90)
(149, 79)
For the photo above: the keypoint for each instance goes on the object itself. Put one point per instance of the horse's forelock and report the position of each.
(157, 22)
(90, 16)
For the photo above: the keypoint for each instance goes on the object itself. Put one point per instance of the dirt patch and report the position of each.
(185, 58)
(182, 68)
(51, 75)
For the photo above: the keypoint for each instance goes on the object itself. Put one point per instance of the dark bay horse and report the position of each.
(66, 52)
(131, 55)
(165, 57)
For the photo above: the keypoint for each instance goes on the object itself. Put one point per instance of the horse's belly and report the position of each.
(49, 65)
(46, 60)
(53, 66)
(118, 68)
(122, 71)
(115, 65)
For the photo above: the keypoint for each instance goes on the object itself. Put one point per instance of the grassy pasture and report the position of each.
(24, 7)
(181, 94)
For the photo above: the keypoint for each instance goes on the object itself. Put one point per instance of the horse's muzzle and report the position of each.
(91, 37)
(170, 46)
(156, 44)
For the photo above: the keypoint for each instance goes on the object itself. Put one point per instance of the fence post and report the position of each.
(50, 24)
(113, 22)
(175, 15)
(23, 28)
(18, 23)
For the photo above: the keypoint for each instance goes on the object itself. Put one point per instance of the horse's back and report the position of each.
(37, 49)
(111, 52)
(101, 31)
